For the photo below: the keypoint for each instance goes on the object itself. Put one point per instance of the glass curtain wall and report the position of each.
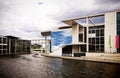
(118, 29)
(96, 39)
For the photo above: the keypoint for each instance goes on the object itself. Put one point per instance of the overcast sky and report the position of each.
(27, 18)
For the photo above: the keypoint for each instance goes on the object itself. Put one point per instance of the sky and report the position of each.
(27, 18)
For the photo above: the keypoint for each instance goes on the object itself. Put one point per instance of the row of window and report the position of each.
(3, 47)
(3, 51)
(118, 23)
(98, 32)
(99, 40)
(3, 40)
(96, 43)
(96, 48)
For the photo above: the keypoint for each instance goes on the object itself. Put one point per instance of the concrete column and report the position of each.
(110, 31)
(79, 47)
(87, 26)
(2, 44)
(45, 44)
(9, 45)
(83, 34)
(15, 46)
(75, 33)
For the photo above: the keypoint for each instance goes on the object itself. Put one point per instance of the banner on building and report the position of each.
(117, 41)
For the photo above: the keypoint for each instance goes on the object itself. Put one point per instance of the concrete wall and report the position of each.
(75, 32)
(110, 30)
(102, 54)
(57, 52)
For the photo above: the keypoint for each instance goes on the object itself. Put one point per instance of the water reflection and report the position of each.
(27, 66)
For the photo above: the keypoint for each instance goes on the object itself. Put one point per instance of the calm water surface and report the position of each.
(26, 66)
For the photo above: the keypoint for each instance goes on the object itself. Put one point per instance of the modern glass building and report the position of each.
(14, 45)
(98, 33)
(3, 45)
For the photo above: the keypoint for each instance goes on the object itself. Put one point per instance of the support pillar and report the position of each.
(45, 44)
(87, 25)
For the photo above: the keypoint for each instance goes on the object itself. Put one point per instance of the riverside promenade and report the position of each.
(105, 59)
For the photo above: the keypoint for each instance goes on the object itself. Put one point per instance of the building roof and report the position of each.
(71, 21)
(10, 36)
(2, 36)
(46, 33)
(65, 27)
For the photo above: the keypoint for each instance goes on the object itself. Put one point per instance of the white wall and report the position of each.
(102, 55)
(57, 52)
(75, 32)
(110, 30)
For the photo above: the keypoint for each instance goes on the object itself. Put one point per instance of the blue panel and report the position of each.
(67, 37)
(57, 38)
(60, 38)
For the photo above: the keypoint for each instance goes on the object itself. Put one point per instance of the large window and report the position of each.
(118, 29)
(80, 37)
(96, 42)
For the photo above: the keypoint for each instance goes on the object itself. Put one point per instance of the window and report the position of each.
(93, 40)
(97, 40)
(80, 37)
(102, 40)
(102, 32)
(97, 33)
(96, 44)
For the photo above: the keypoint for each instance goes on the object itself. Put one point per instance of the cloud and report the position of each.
(98, 2)
(107, 5)
(27, 18)
(20, 18)
(91, 7)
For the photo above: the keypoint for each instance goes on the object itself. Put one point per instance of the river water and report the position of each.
(27, 66)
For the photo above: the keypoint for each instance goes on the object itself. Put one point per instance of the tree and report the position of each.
(36, 46)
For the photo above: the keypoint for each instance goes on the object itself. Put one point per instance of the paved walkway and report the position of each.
(95, 59)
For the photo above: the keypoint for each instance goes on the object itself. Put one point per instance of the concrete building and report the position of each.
(3, 45)
(94, 34)
(43, 43)
(14, 45)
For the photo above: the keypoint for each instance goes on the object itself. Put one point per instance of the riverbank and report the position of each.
(101, 59)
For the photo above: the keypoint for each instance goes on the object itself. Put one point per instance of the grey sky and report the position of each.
(27, 18)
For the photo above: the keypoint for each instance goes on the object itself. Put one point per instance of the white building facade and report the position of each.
(93, 34)
(98, 33)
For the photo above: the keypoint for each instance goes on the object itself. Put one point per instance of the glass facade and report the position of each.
(14, 45)
(118, 23)
(3, 45)
(118, 29)
(96, 38)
